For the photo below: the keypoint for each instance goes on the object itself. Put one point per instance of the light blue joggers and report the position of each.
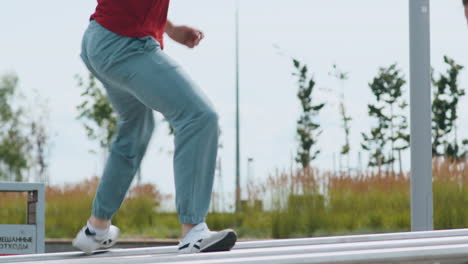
(139, 78)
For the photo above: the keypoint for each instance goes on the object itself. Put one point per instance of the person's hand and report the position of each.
(185, 35)
(466, 13)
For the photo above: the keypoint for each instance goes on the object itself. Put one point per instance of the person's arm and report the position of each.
(169, 27)
(184, 35)
(465, 3)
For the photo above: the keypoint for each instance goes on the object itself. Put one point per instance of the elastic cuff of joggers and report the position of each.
(185, 219)
(101, 215)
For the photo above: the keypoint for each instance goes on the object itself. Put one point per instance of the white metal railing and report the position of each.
(419, 254)
(258, 244)
(415, 255)
(283, 247)
(274, 252)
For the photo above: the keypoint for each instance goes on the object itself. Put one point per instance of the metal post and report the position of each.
(420, 107)
(40, 218)
(237, 112)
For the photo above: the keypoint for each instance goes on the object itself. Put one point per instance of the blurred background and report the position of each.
(323, 116)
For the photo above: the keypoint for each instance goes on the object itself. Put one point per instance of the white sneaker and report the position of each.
(201, 239)
(88, 241)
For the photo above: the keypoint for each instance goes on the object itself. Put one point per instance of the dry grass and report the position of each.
(300, 203)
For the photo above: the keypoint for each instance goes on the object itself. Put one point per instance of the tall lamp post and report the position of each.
(420, 104)
(237, 110)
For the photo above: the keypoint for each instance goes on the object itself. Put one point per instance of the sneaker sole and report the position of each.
(224, 244)
(89, 251)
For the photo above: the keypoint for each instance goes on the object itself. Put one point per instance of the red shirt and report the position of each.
(133, 18)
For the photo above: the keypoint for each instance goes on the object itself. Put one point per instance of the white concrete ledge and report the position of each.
(435, 254)
(258, 249)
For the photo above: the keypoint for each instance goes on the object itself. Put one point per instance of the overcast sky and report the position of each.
(40, 41)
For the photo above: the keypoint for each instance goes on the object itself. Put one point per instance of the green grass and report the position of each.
(303, 204)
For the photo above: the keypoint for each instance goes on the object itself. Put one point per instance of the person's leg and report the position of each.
(161, 84)
(138, 67)
(135, 127)
(134, 130)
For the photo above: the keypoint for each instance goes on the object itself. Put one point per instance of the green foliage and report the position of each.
(345, 118)
(41, 147)
(100, 120)
(308, 130)
(447, 94)
(14, 142)
(361, 203)
(306, 211)
(142, 198)
(13, 208)
(450, 191)
(69, 207)
(391, 133)
(302, 206)
(346, 148)
(8, 89)
(41, 142)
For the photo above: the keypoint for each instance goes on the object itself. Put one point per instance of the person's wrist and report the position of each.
(170, 29)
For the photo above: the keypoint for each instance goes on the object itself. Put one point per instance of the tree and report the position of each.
(392, 125)
(100, 120)
(446, 95)
(14, 142)
(308, 130)
(345, 119)
(40, 140)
